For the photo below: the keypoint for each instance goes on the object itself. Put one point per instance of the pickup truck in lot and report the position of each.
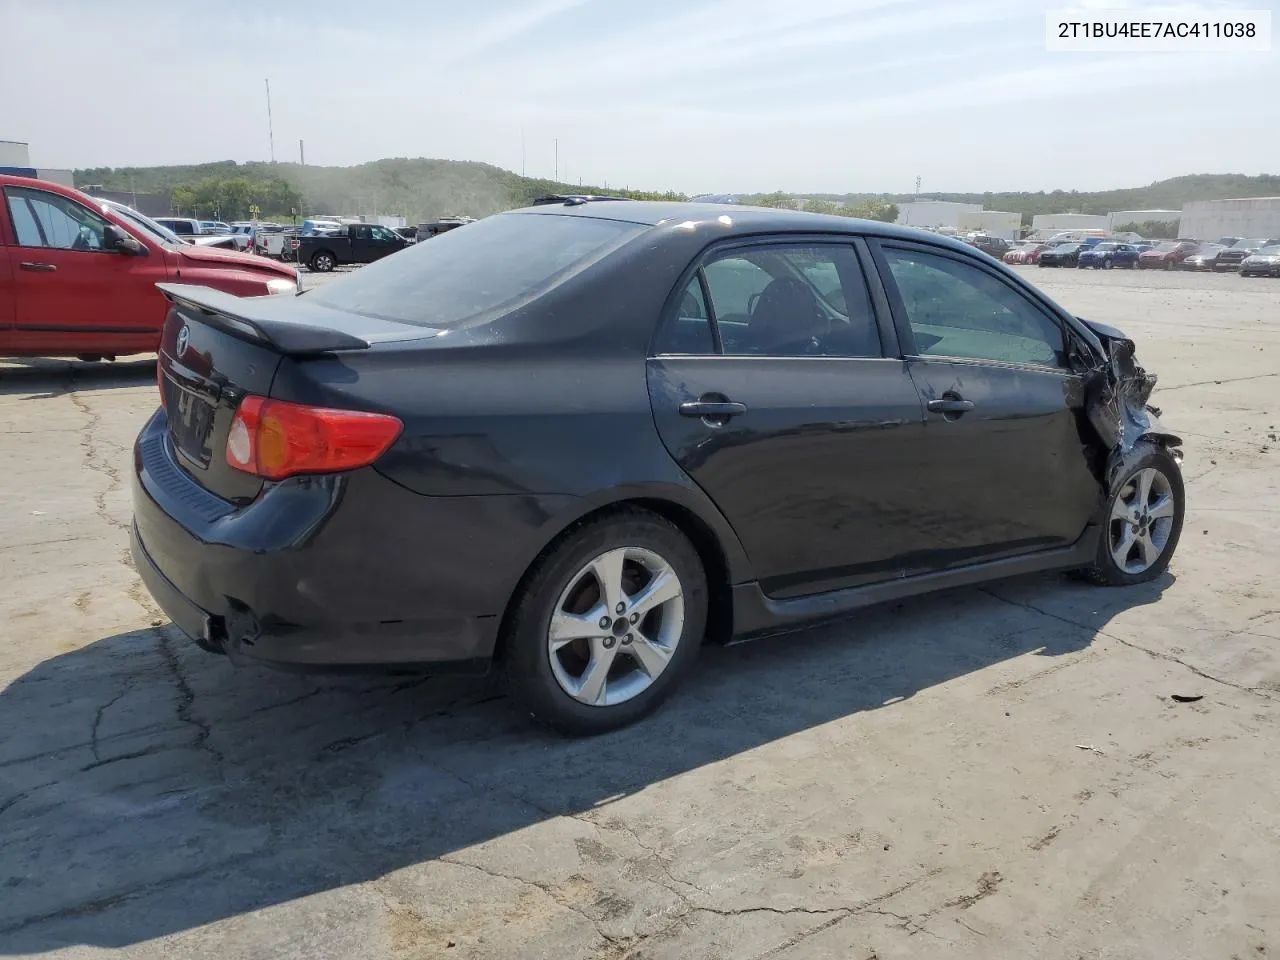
(352, 243)
(78, 276)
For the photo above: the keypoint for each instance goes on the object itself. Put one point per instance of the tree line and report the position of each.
(236, 198)
(870, 209)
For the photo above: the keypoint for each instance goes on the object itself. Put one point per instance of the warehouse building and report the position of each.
(15, 159)
(1050, 223)
(937, 214)
(1121, 217)
(1245, 217)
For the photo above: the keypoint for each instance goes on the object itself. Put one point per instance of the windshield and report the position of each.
(1248, 244)
(148, 226)
(1166, 247)
(1271, 251)
(1107, 246)
(488, 269)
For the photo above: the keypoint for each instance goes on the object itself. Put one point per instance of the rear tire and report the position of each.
(552, 677)
(322, 261)
(1143, 521)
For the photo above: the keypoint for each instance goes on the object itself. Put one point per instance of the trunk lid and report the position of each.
(217, 348)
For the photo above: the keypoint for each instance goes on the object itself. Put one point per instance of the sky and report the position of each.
(692, 95)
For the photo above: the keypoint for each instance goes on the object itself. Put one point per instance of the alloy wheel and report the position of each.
(1142, 519)
(616, 626)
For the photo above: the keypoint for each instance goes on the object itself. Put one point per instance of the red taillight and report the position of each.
(275, 439)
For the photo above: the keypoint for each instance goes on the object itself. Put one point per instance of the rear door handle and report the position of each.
(37, 267)
(950, 405)
(712, 409)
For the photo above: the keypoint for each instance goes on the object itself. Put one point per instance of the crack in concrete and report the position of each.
(186, 698)
(547, 890)
(96, 462)
(1155, 654)
(1205, 383)
(97, 722)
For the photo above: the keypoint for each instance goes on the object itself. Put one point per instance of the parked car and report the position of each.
(311, 228)
(1264, 262)
(1025, 253)
(81, 273)
(443, 497)
(1061, 255)
(214, 226)
(1204, 258)
(1167, 254)
(992, 246)
(1108, 254)
(1232, 257)
(426, 231)
(182, 226)
(353, 243)
(409, 233)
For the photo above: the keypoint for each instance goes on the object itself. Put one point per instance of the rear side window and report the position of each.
(492, 267)
(784, 300)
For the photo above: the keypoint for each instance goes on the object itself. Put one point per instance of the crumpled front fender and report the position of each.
(1117, 392)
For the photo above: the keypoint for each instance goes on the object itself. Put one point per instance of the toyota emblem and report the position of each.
(184, 335)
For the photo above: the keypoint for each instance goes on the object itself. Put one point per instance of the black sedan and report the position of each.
(576, 439)
(1063, 255)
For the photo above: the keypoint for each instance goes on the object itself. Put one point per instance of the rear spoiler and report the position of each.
(246, 318)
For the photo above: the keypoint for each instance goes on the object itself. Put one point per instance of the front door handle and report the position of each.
(37, 267)
(950, 405)
(712, 408)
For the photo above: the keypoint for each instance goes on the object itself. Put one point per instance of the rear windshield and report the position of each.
(488, 268)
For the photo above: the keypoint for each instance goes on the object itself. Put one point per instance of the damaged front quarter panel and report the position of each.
(1116, 392)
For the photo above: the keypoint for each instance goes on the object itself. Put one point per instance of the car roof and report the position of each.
(735, 219)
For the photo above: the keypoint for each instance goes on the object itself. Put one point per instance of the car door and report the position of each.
(6, 291)
(384, 241)
(69, 289)
(1004, 412)
(362, 246)
(777, 387)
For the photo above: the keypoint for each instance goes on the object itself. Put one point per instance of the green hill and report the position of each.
(1162, 195)
(418, 189)
(421, 189)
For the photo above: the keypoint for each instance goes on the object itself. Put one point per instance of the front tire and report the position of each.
(1143, 521)
(606, 624)
(322, 262)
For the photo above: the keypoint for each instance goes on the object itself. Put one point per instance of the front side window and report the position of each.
(383, 234)
(959, 310)
(49, 220)
(790, 301)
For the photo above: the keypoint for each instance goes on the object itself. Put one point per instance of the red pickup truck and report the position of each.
(78, 277)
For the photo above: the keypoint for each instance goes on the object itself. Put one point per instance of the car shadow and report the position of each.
(148, 788)
(39, 378)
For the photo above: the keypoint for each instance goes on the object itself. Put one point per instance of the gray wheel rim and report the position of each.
(1142, 520)
(616, 626)
(324, 263)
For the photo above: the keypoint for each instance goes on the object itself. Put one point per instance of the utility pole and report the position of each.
(917, 186)
(271, 134)
(302, 155)
(522, 151)
(557, 176)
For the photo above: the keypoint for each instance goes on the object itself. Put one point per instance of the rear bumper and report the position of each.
(330, 571)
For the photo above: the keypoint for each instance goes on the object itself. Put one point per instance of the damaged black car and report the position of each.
(575, 440)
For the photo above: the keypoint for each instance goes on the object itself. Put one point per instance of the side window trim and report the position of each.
(717, 344)
(902, 322)
(19, 195)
